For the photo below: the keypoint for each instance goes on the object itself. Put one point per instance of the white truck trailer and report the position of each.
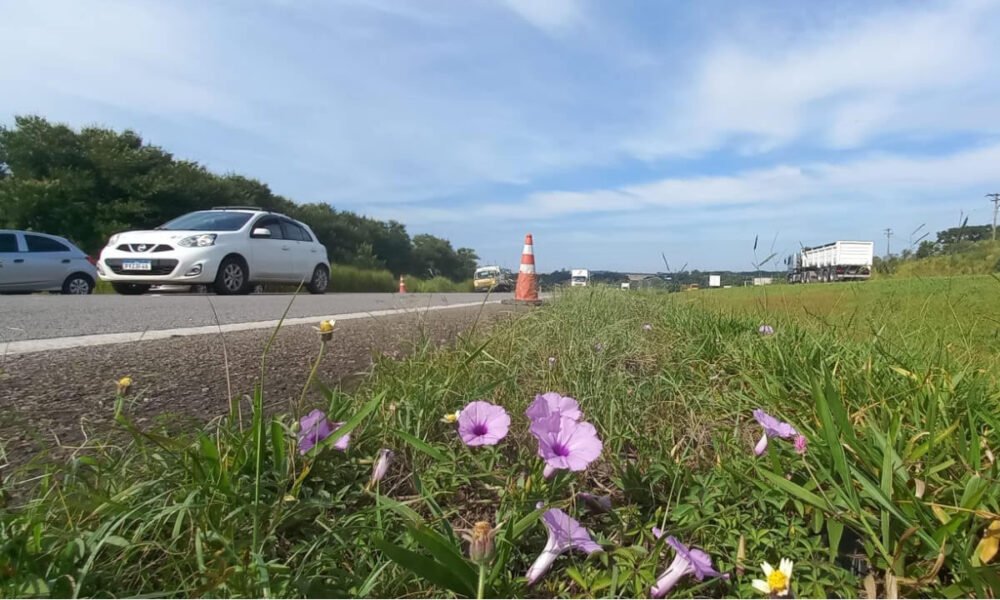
(714, 281)
(837, 261)
(579, 277)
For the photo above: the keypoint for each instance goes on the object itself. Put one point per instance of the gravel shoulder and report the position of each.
(50, 402)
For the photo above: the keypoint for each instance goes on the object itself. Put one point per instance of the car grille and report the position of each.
(145, 248)
(159, 266)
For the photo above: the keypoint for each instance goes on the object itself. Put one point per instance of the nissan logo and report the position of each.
(141, 247)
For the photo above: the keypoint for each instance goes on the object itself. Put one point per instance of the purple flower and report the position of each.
(772, 428)
(647, 327)
(483, 424)
(594, 503)
(765, 330)
(551, 403)
(382, 464)
(688, 561)
(800, 444)
(658, 533)
(565, 443)
(565, 533)
(315, 427)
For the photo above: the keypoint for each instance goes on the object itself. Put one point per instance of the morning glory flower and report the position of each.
(315, 427)
(565, 443)
(765, 330)
(772, 428)
(381, 465)
(483, 424)
(565, 533)
(552, 403)
(688, 561)
(647, 327)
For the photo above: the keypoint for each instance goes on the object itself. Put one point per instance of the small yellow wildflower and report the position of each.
(779, 581)
(325, 330)
(989, 546)
(450, 417)
(124, 384)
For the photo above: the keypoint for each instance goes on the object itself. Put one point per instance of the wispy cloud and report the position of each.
(552, 16)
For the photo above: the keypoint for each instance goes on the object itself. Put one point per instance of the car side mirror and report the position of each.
(261, 232)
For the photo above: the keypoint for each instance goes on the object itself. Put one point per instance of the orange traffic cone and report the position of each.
(402, 285)
(527, 280)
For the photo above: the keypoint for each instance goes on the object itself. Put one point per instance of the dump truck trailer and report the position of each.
(837, 261)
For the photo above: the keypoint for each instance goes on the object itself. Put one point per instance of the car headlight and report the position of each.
(198, 241)
(113, 239)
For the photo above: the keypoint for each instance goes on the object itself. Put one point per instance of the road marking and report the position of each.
(103, 339)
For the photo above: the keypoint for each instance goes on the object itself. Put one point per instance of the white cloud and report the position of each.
(847, 83)
(552, 16)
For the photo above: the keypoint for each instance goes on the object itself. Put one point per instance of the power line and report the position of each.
(995, 199)
(888, 235)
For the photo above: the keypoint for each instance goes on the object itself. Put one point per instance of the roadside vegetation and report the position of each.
(696, 444)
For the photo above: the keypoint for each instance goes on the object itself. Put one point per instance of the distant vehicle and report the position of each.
(626, 285)
(493, 278)
(715, 281)
(228, 249)
(837, 261)
(579, 278)
(39, 262)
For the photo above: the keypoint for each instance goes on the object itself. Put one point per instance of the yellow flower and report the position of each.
(450, 417)
(325, 330)
(123, 385)
(779, 581)
(990, 544)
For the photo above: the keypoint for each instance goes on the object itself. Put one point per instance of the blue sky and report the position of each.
(612, 131)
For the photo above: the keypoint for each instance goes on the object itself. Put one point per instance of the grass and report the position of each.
(895, 490)
(974, 258)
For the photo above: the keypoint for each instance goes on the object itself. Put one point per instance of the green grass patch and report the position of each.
(899, 478)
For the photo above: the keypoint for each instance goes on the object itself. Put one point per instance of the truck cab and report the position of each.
(492, 278)
(579, 278)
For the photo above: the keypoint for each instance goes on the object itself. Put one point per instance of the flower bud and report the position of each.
(481, 542)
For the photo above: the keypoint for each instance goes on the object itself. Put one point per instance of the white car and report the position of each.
(228, 249)
(38, 262)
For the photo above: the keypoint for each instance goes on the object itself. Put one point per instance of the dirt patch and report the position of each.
(52, 401)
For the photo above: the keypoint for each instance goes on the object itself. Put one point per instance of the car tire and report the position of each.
(320, 280)
(78, 284)
(130, 289)
(233, 278)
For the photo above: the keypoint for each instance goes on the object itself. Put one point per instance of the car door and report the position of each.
(272, 255)
(13, 268)
(48, 261)
(300, 242)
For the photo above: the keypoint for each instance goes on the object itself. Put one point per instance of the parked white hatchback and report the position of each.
(227, 248)
(38, 262)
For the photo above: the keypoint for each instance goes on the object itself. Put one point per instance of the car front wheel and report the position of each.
(320, 281)
(232, 278)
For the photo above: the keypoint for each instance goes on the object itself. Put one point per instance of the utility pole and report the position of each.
(888, 250)
(995, 199)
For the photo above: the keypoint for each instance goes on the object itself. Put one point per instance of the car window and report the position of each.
(273, 224)
(291, 230)
(304, 233)
(37, 243)
(209, 220)
(8, 242)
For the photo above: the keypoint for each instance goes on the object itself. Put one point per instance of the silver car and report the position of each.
(38, 262)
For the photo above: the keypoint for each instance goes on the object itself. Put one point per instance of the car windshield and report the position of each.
(579, 278)
(221, 220)
(486, 273)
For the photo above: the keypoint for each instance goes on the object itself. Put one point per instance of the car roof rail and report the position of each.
(238, 208)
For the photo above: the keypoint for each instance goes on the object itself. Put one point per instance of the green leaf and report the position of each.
(794, 489)
(354, 421)
(445, 553)
(400, 509)
(834, 531)
(421, 446)
(425, 567)
(278, 454)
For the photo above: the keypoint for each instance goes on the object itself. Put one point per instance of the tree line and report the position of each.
(88, 184)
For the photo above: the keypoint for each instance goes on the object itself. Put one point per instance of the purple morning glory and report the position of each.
(565, 443)
(565, 533)
(483, 424)
(765, 330)
(381, 464)
(315, 427)
(553, 403)
(688, 561)
(772, 428)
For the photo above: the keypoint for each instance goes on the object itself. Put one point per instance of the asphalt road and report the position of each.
(43, 316)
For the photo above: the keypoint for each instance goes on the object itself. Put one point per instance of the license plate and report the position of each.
(137, 265)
